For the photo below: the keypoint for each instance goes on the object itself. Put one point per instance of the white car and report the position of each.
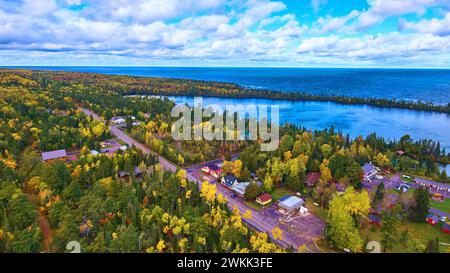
(444, 219)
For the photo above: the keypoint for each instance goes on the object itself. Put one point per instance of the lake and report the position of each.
(432, 85)
(352, 119)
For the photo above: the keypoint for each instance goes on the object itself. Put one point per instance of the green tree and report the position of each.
(422, 204)
(432, 246)
(252, 191)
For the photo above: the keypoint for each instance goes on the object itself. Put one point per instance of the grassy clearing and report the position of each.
(418, 235)
(442, 206)
(280, 192)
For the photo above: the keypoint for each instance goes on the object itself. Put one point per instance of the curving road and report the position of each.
(257, 221)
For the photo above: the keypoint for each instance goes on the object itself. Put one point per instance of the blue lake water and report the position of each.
(405, 84)
(432, 85)
(352, 119)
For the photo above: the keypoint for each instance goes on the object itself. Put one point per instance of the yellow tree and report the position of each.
(277, 233)
(208, 192)
(247, 214)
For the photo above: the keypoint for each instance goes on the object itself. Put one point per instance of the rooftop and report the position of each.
(290, 202)
(312, 178)
(368, 168)
(264, 197)
(432, 183)
(213, 167)
(54, 154)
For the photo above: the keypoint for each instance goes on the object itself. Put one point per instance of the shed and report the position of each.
(52, 155)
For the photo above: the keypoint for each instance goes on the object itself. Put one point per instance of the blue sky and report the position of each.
(294, 33)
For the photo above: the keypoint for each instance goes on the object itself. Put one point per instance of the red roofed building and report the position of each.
(264, 199)
(311, 179)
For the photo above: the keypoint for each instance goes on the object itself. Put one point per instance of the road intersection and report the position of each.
(260, 221)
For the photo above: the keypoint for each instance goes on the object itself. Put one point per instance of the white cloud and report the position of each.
(435, 26)
(379, 10)
(329, 23)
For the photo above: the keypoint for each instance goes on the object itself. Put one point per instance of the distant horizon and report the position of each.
(182, 66)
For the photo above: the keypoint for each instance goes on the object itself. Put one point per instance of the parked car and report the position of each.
(444, 219)
(234, 195)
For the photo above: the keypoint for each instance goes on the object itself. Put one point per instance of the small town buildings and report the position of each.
(264, 199)
(239, 188)
(229, 181)
(446, 228)
(213, 170)
(375, 219)
(290, 203)
(54, 155)
(432, 219)
(311, 179)
(433, 185)
(370, 171)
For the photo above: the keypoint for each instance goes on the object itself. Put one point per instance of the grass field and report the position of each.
(418, 233)
(280, 192)
(442, 206)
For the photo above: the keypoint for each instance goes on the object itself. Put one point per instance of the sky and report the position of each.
(236, 33)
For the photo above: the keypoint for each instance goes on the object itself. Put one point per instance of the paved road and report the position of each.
(257, 221)
(132, 142)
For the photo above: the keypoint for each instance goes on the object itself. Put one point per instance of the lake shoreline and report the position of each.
(241, 91)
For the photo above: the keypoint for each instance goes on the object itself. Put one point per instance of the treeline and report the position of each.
(44, 206)
(128, 85)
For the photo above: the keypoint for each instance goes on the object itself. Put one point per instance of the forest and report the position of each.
(45, 205)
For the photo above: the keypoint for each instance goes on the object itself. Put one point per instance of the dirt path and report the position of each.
(44, 225)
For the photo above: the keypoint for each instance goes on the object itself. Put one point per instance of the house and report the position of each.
(311, 179)
(214, 170)
(375, 220)
(229, 181)
(240, 188)
(446, 228)
(53, 155)
(94, 152)
(264, 199)
(370, 171)
(400, 152)
(432, 219)
(290, 203)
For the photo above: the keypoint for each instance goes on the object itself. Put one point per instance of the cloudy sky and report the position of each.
(303, 33)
